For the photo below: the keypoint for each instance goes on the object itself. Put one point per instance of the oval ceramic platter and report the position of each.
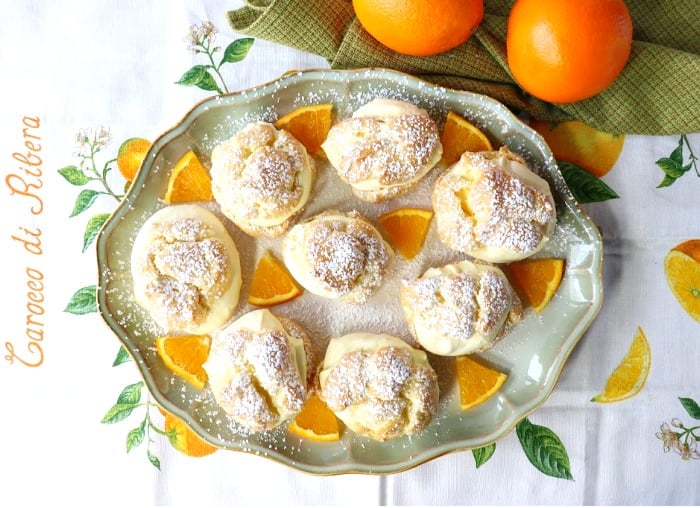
(532, 354)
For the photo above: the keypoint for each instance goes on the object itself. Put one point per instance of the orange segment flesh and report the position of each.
(315, 421)
(459, 136)
(130, 156)
(272, 284)
(406, 228)
(477, 381)
(184, 355)
(536, 280)
(189, 181)
(630, 376)
(308, 124)
(682, 270)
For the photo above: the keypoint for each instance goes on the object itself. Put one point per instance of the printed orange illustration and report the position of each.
(682, 269)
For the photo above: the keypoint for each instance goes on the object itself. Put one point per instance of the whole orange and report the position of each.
(420, 27)
(568, 50)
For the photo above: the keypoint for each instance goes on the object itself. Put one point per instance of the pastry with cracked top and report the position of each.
(338, 256)
(384, 149)
(459, 308)
(378, 385)
(260, 368)
(493, 207)
(186, 270)
(262, 178)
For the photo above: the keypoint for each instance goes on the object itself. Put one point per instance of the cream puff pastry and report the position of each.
(460, 308)
(384, 148)
(262, 178)
(259, 369)
(491, 206)
(186, 269)
(378, 385)
(338, 256)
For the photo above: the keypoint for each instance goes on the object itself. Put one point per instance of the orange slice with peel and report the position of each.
(630, 376)
(189, 181)
(477, 381)
(308, 124)
(406, 229)
(130, 156)
(459, 136)
(272, 283)
(316, 421)
(682, 270)
(536, 280)
(185, 355)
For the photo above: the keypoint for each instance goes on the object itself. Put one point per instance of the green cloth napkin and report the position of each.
(658, 92)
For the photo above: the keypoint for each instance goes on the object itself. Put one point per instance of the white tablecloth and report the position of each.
(81, 65)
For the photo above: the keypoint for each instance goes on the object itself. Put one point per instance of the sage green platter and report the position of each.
(533, 353)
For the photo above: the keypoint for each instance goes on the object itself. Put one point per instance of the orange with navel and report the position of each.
(563, 51)
(309, 125)
(420, 27)
(682, 270)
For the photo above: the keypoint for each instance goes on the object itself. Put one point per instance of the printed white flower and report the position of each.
(669, 438)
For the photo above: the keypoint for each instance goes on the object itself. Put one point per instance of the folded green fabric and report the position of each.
(658, 92)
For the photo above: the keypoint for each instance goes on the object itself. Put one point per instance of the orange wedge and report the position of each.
(536, 280)
(630, 376)
(130, 156)
(477, 381)
(184, 355)
(315, 421)
(459, 136)
(406, 228)
(272, 284)
(189, 181)
(682, 270)
(308, 124)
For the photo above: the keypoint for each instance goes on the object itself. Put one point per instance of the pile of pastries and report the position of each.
(489, 206)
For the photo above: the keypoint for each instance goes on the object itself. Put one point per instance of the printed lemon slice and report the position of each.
(682, 269)
(630, 376)
(315, 421)
(130, 156)
(536, 280)
(272, 283)
(184, 355)
(477, 382)
(308, 124)
(189, 181)
(184, 439)
(459, 136)
(406, 229)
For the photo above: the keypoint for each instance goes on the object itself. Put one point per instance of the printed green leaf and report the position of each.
(199, 76)
(677, 153)
(118, 412)
(136, 436)
(131, 394)
(122, 357)
(73, 175)
(544, 449)
(84, 201)
(691, 406)
(483, 454)
(668, 180)
(671, 168)
(83, 301)
(585, 186)
(93, 228)
(237, 50)
(153, 459)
